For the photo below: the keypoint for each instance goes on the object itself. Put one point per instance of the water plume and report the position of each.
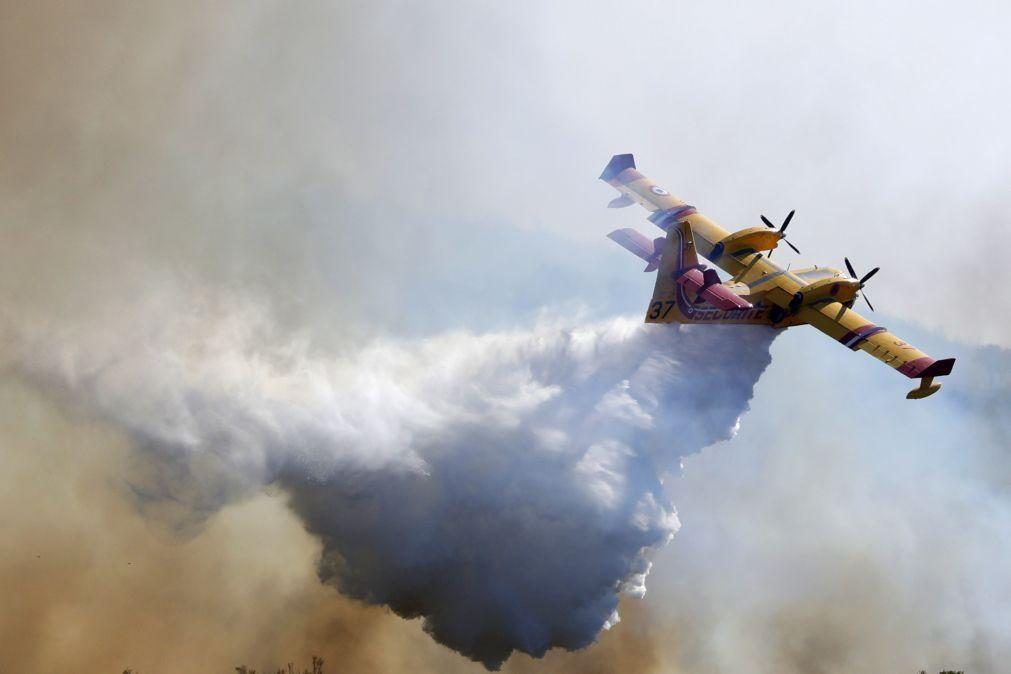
(507, 487)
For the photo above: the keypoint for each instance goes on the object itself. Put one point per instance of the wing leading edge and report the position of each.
(858, 334)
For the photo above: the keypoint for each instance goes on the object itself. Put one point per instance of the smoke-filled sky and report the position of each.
(294, 293)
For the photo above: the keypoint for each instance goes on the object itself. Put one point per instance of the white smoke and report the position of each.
(506, 487)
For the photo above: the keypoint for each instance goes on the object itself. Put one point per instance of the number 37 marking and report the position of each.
(657, 310)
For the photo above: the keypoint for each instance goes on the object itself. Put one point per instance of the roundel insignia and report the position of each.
(659, 191)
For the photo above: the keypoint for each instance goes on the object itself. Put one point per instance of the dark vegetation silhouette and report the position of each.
(317, 668)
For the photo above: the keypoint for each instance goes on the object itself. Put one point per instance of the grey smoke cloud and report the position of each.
(877, 543)
(400, 168)
(506, 487)
(331, 155)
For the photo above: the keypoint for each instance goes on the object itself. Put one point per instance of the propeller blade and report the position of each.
(849, 268)
(786, 222)
(792, 246)
(767, 223)
(864, 295)
(869, 274)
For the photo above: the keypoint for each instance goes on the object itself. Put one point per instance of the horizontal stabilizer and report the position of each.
(639, 244)
(618, 163)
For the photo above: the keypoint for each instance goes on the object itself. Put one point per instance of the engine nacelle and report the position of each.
(745, 241)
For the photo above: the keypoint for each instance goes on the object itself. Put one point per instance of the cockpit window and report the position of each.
(815, 274)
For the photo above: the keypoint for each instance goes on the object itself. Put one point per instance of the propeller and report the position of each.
(782, 230)
(863, 279)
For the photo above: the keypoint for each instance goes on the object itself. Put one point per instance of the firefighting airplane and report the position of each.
(760, 291)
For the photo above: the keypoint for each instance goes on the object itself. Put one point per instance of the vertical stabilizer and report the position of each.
(688, 292)
(689, 257)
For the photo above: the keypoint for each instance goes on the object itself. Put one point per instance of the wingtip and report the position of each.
(939, 368)
(618, 163)
(927, 367)
(927, 387)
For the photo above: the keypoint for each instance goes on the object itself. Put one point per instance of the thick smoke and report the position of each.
(506, 487)
(877, 544)
(388, 167)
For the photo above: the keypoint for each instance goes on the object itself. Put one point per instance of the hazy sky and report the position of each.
(399, 169)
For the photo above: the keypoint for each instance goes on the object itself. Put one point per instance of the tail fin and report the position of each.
(682, 280)
(701, 281)
(688, 258)
(640, 245)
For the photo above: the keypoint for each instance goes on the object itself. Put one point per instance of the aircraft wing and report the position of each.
(636, 188)
(856, 332)
(666, 210)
